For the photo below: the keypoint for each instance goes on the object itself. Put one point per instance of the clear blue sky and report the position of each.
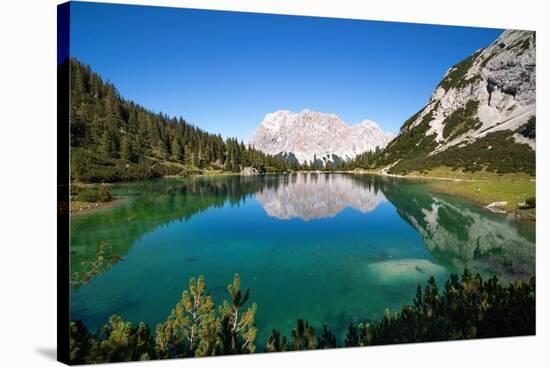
(223, 71)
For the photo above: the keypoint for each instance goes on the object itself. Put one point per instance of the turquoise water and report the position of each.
(328, 248)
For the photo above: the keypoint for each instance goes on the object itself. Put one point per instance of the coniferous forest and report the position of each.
(468, 307)
(114, 139)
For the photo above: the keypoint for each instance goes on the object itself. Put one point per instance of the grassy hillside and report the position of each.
(518, 190)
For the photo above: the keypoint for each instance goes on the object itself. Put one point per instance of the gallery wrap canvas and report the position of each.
(235, 183)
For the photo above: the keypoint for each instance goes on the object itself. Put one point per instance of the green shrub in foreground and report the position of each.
(467, 307)
(94, 195)
(88, 195)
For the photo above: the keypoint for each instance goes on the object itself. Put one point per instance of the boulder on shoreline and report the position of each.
(249, 171)
(497, 206)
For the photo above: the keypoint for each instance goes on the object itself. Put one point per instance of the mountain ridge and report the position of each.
(480, 116)
(316, 137)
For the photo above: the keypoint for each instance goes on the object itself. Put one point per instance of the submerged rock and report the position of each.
(404, 271)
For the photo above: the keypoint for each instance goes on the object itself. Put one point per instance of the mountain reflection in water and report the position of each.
(458, 234)
(311, 196)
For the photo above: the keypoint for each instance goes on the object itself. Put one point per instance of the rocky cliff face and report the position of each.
(311, 136)
(484, 107)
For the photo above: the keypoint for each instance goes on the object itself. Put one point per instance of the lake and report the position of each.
(328, 248)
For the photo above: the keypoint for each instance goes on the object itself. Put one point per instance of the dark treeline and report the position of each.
(364, 160)
(468, 307)
(113, 139)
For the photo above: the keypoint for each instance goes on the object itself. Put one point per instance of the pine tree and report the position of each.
(303, 336)
(121, 342)
(327, 339)
(80, 342)
(238, 332)
(163, 151)
(177, 150)
(352, 338)
(276, 343)
(125, 148)
(108, 145)
(96, 129)
(191, 327)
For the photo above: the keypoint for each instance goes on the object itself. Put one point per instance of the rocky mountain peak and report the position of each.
(489, 96)
(313, 136)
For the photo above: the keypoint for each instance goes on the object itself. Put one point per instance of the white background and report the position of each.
(28, 179)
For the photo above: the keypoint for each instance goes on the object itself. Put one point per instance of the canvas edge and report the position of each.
(63, 155)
